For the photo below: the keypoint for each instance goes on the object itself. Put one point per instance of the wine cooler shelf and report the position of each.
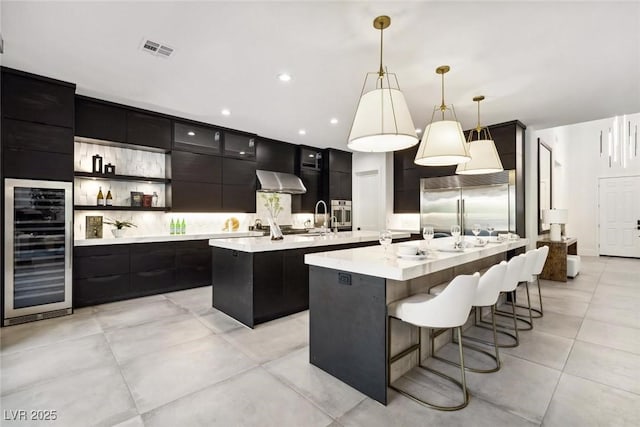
(103, 176)
(120, 208)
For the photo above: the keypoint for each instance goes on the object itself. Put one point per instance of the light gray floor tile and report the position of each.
(630, 265)
(615, 368)
(401, 411)
(35, 334)
(620, 278)
(614, 336)
(134, 341)
(253, 398)
(219, 322)
(616, 301)
(616, 316)
(138, 314)
(29, 367)
(327, 392)
(91, 397)
(271, 340)
(560, 291)
(545, 349)
(135, 302)
(558, 324)
(163, 376)
(565, 306)
(197, 300)
(579, 402)
(605, 291)
(303, 316)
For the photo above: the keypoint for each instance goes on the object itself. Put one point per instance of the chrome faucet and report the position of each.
(324, 222)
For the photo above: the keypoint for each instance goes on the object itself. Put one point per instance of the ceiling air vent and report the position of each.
(156, 49)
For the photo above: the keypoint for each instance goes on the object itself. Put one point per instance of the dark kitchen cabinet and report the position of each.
(37, 99)
(339, 161)
(238, 172)
(309, 158)
(239, 145)
(337, 180)
(305, 203)
(193, 264)
(100, 120)
(37, 165)
(238, 185)
(196, 138)
(148, 130)
(238, 198)
(21, 135)
(100, 274)
(188, 196)
(195, 167)
(340, 185)
(275, 156)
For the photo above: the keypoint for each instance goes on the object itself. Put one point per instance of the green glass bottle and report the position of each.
(172, 227)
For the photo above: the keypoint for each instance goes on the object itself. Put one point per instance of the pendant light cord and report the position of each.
(381, 71)
(443, 107)
(479, 128)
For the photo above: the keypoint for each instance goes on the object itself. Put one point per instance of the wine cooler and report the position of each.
(37, 250)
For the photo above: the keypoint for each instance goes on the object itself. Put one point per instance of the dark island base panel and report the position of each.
(348, 329)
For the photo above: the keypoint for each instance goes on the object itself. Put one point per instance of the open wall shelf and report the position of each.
(103, 176)
(120, 208)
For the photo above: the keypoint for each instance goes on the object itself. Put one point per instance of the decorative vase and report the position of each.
(117, 232)
(274, 229)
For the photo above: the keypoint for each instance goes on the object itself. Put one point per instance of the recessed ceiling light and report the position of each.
(302, 132)
(242, 153)
(418, 130)
(333, 121)
(226, 112)
(284, 77)
(310, 155)
(191, 133)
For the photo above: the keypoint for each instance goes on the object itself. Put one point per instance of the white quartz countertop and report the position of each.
(371, 260)
(166, 238)
(296, 241)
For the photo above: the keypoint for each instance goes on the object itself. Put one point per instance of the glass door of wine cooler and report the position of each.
(37, 248)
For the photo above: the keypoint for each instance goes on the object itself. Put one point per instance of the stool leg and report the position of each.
(540, 296)
(526, 286)
(515, 318)
(488, 325)
(463, 377)
(495, 334)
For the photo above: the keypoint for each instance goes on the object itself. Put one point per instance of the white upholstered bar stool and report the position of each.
(524, 276)
(487, 293)
(450, 309)
(543, 252)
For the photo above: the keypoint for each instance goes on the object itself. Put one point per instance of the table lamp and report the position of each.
(555, 217)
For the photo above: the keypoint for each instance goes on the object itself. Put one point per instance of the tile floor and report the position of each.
(172, 360)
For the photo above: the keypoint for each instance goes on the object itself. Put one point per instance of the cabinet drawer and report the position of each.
(36, 100)
(153, 282)
(98, 290)
(195, 196)
(100, 121)
(100, 265)
(148, 130)
(37, 137)
(84, 251)
(196, 167)
(37, 165)
(154, 256)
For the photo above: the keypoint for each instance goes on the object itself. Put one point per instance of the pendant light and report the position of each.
(382, 121)
(443, 142)
(484, 156)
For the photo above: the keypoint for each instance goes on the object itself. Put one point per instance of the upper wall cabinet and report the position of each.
(240, 145)
(337, 175)
(310, 158)
(98, 120)
(37, 99)
(196, 139)
(275, 156)
(148, 130)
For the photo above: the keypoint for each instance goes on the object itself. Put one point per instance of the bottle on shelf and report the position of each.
(172, 227)
(154, 200)
(100, 197)
(183, 227)
(109, 199)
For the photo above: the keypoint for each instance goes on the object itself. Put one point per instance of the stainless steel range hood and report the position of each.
(278, 182)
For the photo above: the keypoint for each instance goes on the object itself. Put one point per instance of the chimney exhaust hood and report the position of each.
(278, 182)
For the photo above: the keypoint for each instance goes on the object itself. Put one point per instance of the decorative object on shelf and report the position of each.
(443, 142)
(100, 198)
(93, 227)
(484, 156)
(555, 217)
(183, 227)
(136, 198)
(109, 199)
(119, 226)
(232, 224)
(272, 203)
(154, 201)
(382, 121)
(97, 163)
(109, 169)
(147, 200)
(172, 227)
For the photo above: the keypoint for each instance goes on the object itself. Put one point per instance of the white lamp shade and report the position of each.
(382, 123)
(555, 216)
(484, 159)
(443, 144)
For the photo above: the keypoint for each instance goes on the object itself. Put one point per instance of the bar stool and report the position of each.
(524, 276)
(487, 293)
(450, 309)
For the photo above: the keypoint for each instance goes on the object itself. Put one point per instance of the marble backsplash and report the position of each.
(127, 162)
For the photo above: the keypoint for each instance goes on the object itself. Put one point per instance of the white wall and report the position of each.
(383, 164)
(578, 165)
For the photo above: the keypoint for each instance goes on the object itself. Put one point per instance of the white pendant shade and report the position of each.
(484, 159)
(443, 144)
(382, 123)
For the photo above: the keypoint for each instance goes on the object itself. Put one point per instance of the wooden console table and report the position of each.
(556, 266)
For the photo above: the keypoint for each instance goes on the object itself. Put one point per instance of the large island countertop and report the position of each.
(165, 238)
(297, 241)
(371, 260)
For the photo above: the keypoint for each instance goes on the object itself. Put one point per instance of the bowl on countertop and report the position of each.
(407, 250)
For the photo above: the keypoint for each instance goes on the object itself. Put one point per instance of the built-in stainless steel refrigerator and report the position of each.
(465, 200)
(37, 250)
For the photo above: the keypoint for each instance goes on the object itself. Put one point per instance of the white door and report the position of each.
(620, 216)
(366, 204)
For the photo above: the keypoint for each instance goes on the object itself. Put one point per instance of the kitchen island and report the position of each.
(256, 279)
(349, 291)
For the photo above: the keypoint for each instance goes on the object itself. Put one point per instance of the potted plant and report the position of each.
(272, 203)
(119, 226)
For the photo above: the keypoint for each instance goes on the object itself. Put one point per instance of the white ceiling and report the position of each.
(543, 63)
